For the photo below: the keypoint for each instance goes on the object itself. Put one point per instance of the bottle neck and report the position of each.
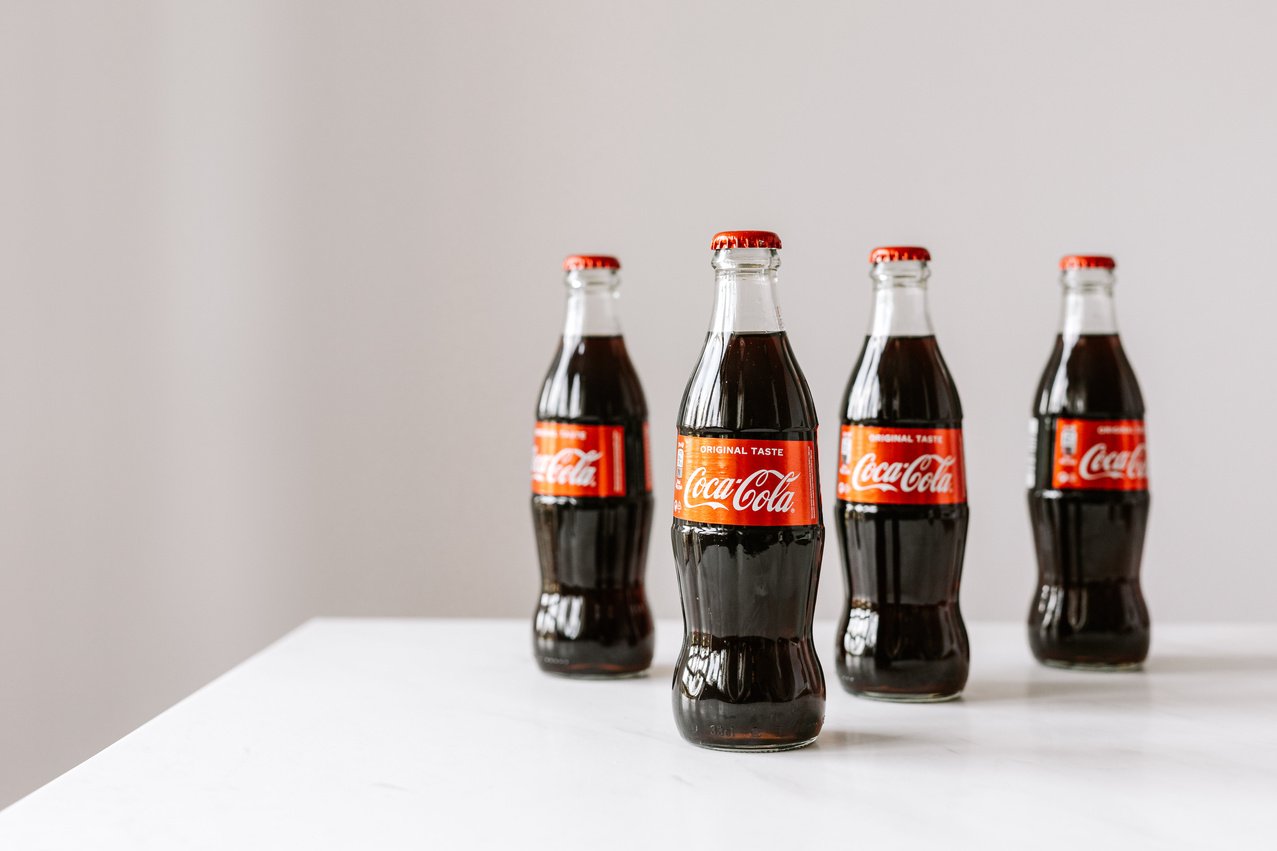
(1088, 303)
(900, 299)
(745, 299)
(592, 306)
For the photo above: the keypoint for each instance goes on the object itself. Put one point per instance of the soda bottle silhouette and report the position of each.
(1088, 485)
(902, 500)
(747, 528)
(591, 490)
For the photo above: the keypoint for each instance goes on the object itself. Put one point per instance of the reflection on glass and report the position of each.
(704, 665)
(559, 614)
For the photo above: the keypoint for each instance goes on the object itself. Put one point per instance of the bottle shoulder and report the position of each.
(592, 380)
(748, 385)
(1089, 376)
(902, 381)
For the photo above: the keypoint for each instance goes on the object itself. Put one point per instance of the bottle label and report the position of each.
(901, 466)
(1105, 455)
(746, 482)
(578, 460)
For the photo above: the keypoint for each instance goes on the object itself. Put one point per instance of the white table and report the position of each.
(373, 734)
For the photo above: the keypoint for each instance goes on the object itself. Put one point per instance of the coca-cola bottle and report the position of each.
(902, 500)
(591, 490)
(747, 528)
(1088, 485)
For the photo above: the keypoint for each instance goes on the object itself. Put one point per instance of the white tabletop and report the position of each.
(439, 734)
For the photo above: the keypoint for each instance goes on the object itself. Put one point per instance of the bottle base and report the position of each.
(765, 747)
(894, 697)
(1092, 666)
(1091, 650)
(593, 672)
(592, 658)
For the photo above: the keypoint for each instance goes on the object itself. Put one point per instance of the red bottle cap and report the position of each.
(1087, 261)
(889, 253)
(590, 261)
(744, 239)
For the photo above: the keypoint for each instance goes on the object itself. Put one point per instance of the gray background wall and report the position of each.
(280, 282)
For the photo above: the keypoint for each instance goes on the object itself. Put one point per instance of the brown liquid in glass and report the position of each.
(902, 635)
(747, 677)
(592, 618)
(1089, 609)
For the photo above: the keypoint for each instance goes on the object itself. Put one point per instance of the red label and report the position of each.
(578, 460)
(746, 482)
(901, 466)
(1107, 455)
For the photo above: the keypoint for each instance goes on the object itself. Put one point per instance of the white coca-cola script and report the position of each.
(575, 467)
(761, 490)
(925, 474)
(1100, 463)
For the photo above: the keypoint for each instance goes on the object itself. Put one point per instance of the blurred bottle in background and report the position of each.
(1088, 485)
(902, 500)
(591, 490)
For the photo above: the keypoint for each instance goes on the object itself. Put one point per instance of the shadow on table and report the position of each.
(1123, 686)
(853, 739)
(1207, 664)
(1128, 686)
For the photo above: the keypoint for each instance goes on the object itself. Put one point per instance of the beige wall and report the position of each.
(280, 281)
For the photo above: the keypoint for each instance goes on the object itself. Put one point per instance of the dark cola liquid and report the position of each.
(1088, 609)
(747, 677)
(901, 635)
(592, 618)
